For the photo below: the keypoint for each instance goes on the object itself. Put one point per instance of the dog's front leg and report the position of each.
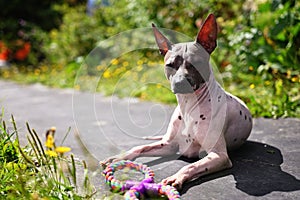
(213, 162)
(159, 148)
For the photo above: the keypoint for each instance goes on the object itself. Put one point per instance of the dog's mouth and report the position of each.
(193, 84)
(183, 86)
(195, 87)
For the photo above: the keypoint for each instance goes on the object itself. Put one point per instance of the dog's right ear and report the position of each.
(162, 42)
(207, 35)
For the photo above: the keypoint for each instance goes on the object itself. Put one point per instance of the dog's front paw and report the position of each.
(108, 161)
(176, 181)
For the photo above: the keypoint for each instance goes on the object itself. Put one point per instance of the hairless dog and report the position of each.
(207, 118)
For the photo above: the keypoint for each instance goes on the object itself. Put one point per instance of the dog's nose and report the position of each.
(181, 84)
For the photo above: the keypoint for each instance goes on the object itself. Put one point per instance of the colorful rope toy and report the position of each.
(135, 190)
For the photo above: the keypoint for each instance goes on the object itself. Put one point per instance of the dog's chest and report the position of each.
(194, 119)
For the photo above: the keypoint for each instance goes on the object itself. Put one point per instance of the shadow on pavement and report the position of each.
(256, 170)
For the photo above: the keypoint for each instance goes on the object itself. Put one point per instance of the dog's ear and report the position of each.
(162, 42)
(207, 35)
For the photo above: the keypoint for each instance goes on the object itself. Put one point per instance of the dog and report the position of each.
(207, 119)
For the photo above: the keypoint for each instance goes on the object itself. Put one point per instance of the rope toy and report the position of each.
(135, 190)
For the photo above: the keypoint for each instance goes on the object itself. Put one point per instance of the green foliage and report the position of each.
(266, 46)
(76, 36)
(9, 147)
(32, 173)
(270, 43)
(79, 33)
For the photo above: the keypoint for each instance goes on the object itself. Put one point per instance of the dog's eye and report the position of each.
(169, 64)
(172, 65)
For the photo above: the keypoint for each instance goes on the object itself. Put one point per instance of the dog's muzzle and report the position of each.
(182, 84)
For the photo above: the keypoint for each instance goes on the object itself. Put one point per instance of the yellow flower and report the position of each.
(37, 72)
(294, 79)
(139, 68)
(252, 86)
(62, 149)
(140, 62)
(53, 129)
(106, 74)
(77, 87)
(114, 61)
(50, 141)
(51, 153)
(125, 64)
(288, 74)
(143, 95)
(6, 74)
(220, 20)
(35, 196)
(267, 83)
(251, 68)
(44, 68)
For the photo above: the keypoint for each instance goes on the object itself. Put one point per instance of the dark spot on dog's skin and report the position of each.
(219, 97)
(209, 100)
(196, 122)
(193, 140)
(185, 101)
(230, 97)
(235, 140)
(189, 135)
(179, 117)
(201, 116)
(206, 169)
(190, 140)
(245, 117)
(187, 140)
(241, 112)
(249, 119)
(162, 144)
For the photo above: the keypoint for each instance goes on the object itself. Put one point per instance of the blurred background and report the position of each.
(258, 54)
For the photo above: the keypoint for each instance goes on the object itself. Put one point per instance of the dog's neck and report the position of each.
(206, 94)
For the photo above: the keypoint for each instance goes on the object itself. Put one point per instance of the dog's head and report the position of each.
(187, 64)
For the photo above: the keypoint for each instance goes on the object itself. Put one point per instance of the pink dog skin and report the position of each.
(207, 119)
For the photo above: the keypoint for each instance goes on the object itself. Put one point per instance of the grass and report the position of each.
(272, 99)
(134, 75)
(32, 172)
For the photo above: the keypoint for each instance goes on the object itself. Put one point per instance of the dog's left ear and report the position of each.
(162, 42)
(207, 35)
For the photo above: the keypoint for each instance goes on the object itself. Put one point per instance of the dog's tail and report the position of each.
(159, 137)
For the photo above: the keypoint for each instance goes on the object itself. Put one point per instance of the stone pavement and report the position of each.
(266, 167)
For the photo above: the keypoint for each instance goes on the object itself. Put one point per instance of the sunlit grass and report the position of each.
(31, 173)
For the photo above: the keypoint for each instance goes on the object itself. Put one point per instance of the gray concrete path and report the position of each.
(266, 167)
